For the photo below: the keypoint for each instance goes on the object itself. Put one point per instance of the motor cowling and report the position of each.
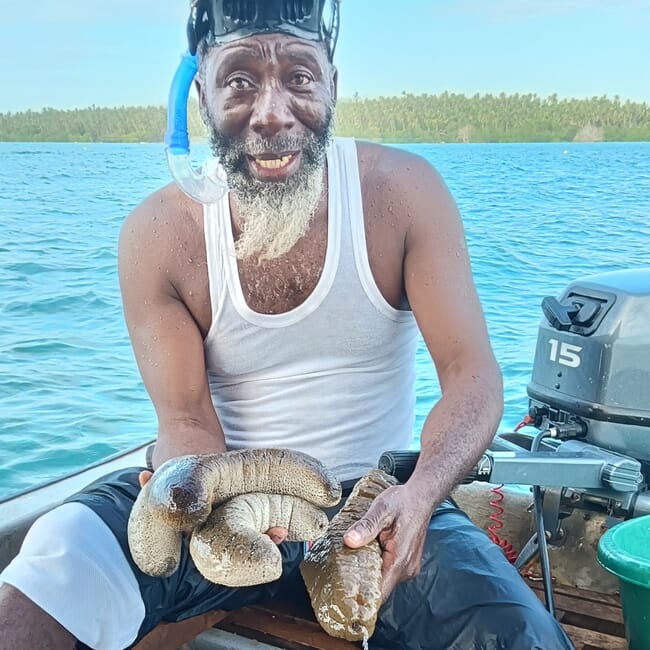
(592, 361)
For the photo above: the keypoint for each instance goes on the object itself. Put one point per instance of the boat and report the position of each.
(546, 497)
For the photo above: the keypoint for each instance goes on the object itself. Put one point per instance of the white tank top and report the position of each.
(334, 377)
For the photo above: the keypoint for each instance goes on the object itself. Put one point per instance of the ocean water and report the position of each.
(537, 216)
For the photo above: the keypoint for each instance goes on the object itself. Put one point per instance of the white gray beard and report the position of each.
(275, 215)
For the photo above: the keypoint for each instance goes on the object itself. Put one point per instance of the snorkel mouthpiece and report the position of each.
(205, 186)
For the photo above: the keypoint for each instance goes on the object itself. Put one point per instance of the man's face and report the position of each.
(268, 103)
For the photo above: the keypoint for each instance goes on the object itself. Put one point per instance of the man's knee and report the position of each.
(497, 626)
(72, 567)
(24, 625)
(512, 627)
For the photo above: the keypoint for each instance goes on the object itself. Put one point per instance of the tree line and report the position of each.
(446, 117)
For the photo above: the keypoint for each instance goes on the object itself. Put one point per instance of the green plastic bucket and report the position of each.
(624, 550)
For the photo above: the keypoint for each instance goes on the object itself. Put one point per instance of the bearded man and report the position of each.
(287, 315)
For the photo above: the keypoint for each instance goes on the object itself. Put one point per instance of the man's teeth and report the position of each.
(274, 163)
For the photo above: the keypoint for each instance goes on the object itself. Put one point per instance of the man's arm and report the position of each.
(443, 297)
(440, 290)
(166, 339)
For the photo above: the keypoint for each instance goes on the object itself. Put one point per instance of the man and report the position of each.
(286, 316)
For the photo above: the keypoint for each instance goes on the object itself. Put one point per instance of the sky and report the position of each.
(76, 53)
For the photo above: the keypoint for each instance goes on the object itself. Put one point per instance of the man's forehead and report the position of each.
(259, 46)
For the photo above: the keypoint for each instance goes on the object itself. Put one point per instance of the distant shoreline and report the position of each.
(407, 118)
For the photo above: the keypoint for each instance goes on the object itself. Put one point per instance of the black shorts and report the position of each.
(467, 596)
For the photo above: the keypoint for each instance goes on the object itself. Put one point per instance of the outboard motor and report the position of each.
(592, 363)
(591, 375)
(590, 389)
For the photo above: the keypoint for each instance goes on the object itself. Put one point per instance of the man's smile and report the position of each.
(274, 166)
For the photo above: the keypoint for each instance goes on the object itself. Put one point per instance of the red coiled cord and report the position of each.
(506, 546)
(525, 422)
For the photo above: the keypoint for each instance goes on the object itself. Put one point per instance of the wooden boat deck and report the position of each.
(593, 621)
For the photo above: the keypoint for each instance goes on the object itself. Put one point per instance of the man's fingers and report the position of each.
(144, 476)
(361, 533)
(368, 527)
(277, 534)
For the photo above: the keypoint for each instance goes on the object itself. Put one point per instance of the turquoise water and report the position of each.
(536, 218)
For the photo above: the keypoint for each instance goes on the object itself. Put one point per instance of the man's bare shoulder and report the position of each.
(162, 244)
(166, 212)
(390, 163)
(391, 176)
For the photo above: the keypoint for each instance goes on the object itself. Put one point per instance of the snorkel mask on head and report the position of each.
(222, 21)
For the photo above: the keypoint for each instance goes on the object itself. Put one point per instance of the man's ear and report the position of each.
(335, 83)
(198, 85)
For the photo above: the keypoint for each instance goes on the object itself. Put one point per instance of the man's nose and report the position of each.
(272, 112)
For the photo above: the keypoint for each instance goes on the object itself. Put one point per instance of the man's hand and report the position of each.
(278, 535)
(399, 523)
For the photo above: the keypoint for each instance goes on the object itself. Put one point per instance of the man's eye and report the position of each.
(301, 79)
(239, 83)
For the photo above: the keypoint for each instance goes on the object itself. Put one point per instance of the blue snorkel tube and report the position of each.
(203, 186)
